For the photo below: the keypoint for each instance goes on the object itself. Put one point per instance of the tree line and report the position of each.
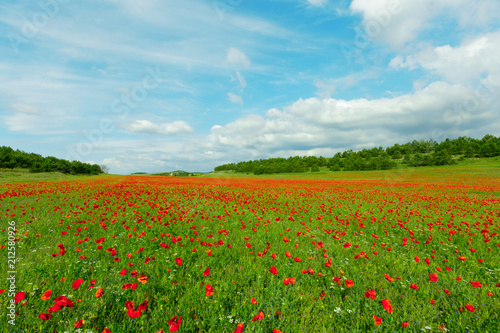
(10, 158)
(415, 154)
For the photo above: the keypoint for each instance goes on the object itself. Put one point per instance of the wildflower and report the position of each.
(377, 320)
(371, 294)
(387, 305)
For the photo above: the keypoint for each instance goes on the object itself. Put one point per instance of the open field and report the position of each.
(411, 250)
(18, 175)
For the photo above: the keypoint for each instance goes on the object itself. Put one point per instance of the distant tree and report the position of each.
(396, 154)
(442, 157)
(416, 153)
(104, 168)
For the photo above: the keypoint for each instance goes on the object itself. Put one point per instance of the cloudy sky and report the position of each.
(160, 85)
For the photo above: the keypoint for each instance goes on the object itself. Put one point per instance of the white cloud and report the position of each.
(395, 22)
(241, 80)
(323, 127)
(317, 3)
(235, 98)
(474, 58)
(25, 108)
(236, 58)
(325, 87)
(398, 22)
(147, 127)
(317, 123)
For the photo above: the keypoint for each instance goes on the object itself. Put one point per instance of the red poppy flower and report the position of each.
(470, 308)
(239, 328)
(206, 272)
(405, 324)
(209, 290)
(129, 305)
(78, 323)
(134, 313)
(297, 259)
(99, 292)
(433, 277)
(387, 305)
(46, 295)
(19, 296)
(123, 272)
(371, 294)
(414, 286)
(377, 320)
(253, 300)
(77, 283)
(143, 306)
(349, 283)
(178, 261)
(476, 284)
(259, 316)
(388, 278)
(44, 316)
(174, 324)
(329, 262)
(287, 253)
(273, 270)
(277, 331)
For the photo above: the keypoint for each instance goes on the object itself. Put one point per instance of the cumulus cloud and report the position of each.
(324, 126)
(474, 58)
(235, 98)
(398, 22)
(316, 123)
(148, 127)
(236, 58)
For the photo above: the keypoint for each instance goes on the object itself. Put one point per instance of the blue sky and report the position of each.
(164, 85)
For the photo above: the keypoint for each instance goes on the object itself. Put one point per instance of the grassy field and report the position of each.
(410, 250)
(14, 176)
